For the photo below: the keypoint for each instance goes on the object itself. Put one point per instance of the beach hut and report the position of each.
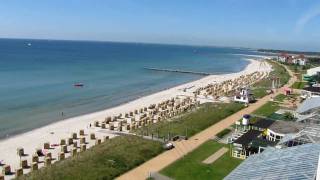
(6, 170)
(73, 151)
(49, 155)
(92, 136)
(83, 147)
(20, 151)
(108, 119)
(62, 142)
(61, 156)
(70, 141)
(47, 161)
(81, 132)
(24, 163)
(75, 144)
(82, 140)
(39, 152)
(103, 126)
(35, 158)
(98, 141)
(19, 172)
(64, 149)
(46, 145)
(34, 166)
(74, 135)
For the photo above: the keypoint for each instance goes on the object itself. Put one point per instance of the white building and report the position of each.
(300, 60)
(279, 129)
(313, 71)
(244, 96)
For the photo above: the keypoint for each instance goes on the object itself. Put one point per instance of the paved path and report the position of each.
(215, 156)
(185, 146)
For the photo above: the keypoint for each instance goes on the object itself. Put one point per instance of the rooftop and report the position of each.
(312, 89)
(309, 104)
(248, 137)
(263, 123)
(310, 134)
(298, 162)
(286, 127)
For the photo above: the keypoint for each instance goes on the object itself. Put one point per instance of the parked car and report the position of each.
(168, 146)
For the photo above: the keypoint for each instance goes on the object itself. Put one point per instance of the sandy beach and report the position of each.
(61, 130)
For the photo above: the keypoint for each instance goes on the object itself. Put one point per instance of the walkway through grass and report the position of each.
(191, 166)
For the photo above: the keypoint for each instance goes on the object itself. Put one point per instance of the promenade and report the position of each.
(185, 146)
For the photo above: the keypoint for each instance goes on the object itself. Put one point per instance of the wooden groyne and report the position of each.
(179, 71)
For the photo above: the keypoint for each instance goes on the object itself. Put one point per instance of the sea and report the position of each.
(38, 77)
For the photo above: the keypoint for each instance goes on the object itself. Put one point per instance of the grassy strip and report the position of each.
(280, 97)
(223, 133)
(105, 161)
(192, 122)
(191, 166)
(267, 109)
(299, 85)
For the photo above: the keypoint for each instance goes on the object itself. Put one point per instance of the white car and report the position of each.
(168, 146)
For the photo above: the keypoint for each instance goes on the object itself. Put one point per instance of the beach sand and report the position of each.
(61, 130)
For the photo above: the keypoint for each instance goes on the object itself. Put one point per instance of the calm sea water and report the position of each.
(37, 76)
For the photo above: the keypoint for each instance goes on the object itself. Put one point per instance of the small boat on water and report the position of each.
(78, 84)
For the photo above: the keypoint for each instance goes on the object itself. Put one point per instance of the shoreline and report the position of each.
(62, 129)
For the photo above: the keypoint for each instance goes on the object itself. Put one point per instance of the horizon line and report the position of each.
(128, 42)
(152, 43)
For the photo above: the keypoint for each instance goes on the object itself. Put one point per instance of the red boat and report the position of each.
(78, 85)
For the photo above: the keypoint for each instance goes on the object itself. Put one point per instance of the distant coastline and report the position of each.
(277, 51)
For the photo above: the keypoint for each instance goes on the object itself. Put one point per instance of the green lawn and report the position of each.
(191, 166)
(299, 85)
(259, 92)
(267, 109)
(280, 97)
(223, 133)
(192, 122)
(105, 161)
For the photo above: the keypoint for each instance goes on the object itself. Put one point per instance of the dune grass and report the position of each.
(192, 122)
(260, 87)
(191, 166)
(105, 161)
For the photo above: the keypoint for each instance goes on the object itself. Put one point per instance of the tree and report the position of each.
(288, 116)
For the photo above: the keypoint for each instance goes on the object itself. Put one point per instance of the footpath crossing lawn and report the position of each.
(191, 166)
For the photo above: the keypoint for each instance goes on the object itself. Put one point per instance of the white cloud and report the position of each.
(306, 18)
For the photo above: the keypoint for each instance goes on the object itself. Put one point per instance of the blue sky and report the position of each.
(285, 24)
